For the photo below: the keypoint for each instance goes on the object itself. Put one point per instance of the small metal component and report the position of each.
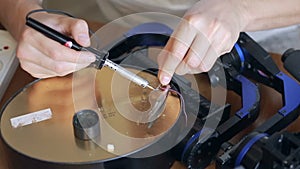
(150, 87)
(86, 125)
(127, 74)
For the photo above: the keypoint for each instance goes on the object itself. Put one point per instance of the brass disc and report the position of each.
(53, 139)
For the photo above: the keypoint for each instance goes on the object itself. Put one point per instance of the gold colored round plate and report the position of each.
(53, 139)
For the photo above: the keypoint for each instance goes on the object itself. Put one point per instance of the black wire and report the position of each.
(49, 11)
(54, 11)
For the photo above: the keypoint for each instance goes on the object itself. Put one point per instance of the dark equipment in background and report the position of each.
(253, 151)
(291, 60)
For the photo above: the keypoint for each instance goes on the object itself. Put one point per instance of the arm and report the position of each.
(12, 14)
(211, 27)
(38, 55)
(269, 14)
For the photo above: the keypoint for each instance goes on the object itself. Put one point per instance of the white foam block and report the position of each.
(31, 118)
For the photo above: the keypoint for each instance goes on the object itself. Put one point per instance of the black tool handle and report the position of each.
(53, 34)
(291, 62)
(67, 41)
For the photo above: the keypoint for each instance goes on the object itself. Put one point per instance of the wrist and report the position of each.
(243, 13)
(13, 14)
(263, 15)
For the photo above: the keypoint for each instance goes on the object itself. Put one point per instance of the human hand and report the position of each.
(43, 57)
(208, 30)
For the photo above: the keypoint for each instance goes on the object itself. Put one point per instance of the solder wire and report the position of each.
(182, 102)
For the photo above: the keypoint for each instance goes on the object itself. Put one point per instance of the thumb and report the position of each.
(80, 32)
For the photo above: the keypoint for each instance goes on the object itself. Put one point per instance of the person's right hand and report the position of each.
(43, 57)
(208, 30)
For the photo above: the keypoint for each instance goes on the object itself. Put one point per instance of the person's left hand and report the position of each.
(43, 57)
(208, 30)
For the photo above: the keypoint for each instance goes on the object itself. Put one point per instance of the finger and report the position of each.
(223, 41)
(55, 68)
(164, 76)
(197, 50)
(183, 68)
(55, 50)
(175, 50)
(209, 60)
(205, 65)
(220, 45)
(78, 29)
(195, 55)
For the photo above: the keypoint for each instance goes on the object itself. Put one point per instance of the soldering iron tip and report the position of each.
(150, 87)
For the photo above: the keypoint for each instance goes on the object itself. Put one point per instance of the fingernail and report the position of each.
(165, 80)
(84, 39)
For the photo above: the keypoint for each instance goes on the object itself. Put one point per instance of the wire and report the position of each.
(49, 11)
(182, 103)
(54, 11)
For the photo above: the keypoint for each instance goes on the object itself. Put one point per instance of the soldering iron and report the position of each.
(101, 56)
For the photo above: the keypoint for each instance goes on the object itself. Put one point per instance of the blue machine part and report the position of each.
(250, 96)
(291, 88)
(291, 93)
(240, 52)
(247, 147)
(194, 138)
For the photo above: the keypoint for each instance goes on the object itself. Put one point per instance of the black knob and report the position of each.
(86, 125)
(291, 61)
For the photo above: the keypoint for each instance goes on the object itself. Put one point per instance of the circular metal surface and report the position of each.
(53, 140)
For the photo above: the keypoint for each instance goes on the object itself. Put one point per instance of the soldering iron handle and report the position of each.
(126, 74)
(101, 56)
(53, 34)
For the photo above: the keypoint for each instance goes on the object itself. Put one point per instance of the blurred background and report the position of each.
(275, 41)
